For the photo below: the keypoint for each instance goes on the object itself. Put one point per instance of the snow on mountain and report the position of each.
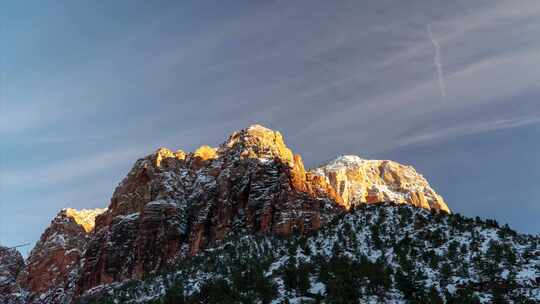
(360, 181)
(378, 253)
(246, 219)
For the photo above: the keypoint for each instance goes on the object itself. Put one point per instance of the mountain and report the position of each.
(359, 181)
(377, 253)
(174, 210)
(174, 204)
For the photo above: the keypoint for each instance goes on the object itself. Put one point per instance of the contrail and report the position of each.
(437, 60)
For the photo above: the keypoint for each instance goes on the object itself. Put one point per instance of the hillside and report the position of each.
(376, 253)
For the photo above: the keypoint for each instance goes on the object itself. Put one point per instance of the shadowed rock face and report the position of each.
(174, 204)
(358, 181)
(11, 264)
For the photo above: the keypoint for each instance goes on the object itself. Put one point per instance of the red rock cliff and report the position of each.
(358, 181)
(53, 266)
(174, 204)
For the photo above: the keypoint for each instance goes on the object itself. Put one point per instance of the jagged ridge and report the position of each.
(172, 205)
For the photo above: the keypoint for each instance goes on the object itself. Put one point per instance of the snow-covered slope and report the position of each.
(380, 253)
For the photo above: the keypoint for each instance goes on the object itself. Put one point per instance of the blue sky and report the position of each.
(450, 87)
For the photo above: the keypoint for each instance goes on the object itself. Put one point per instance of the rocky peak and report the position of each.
(172, 205)
(205, 153)
(53, 264)
(261, 143)
(86, 218)
(166, 154)
(359, 180)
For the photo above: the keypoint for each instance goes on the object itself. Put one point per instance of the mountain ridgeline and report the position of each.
(247, 223)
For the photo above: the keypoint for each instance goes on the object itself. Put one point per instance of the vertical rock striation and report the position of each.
(173, 204)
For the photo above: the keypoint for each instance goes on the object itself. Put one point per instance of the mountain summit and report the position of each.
(174, 204)
(359, 181)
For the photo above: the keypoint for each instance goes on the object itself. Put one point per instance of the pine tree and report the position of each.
(174, 295)
(405, 285)
(434, 297)
(290, 275)
(446, 271)
(303, 278)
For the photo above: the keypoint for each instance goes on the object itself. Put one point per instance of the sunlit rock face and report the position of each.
(11, 264)
(54, 264)
(358, 181)
(85, 217)
(173, 204)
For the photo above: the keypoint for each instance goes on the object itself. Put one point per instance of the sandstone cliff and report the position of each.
(174, 204)
(53, 266)
(358, 181)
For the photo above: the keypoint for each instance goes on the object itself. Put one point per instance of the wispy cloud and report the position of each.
(68, 170)
(438, 62)
(354, 76)
(469, 128)
(481, 75)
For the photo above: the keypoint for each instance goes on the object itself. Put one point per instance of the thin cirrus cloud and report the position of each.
(476, 76)
(438, 61)
(470, 128)
(356, 77)
(66, 171)
(411, 96)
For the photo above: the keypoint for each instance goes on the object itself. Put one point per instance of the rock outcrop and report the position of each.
(358, 181)
(173, 204)
(11, 264)
(53, 265)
